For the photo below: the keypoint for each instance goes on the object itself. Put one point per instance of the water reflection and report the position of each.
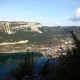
(9, 61)
(39, 65)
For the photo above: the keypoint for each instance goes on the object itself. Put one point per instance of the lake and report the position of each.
(9, 61)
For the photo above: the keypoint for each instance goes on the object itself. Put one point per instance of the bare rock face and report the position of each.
(5, 26)
(12, 27)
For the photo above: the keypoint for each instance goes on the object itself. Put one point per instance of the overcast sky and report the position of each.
(47, 12)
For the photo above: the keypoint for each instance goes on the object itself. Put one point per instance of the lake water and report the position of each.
(9, 61)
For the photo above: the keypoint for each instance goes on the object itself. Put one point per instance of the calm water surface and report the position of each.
(9, 61)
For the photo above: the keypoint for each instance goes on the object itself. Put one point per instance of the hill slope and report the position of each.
(34, 32)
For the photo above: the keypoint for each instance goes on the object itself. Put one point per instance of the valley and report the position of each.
(35, 37)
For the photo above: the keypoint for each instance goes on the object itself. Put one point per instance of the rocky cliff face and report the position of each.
(12, 27)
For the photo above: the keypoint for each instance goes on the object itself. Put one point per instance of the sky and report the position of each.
(47, 12)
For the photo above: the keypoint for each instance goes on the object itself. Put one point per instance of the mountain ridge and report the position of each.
(39, 35)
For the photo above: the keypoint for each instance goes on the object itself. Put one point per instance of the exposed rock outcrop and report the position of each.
(12, 27)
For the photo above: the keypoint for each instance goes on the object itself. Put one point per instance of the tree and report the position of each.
(69, 67)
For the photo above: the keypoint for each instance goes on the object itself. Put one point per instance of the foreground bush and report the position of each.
(25, 67)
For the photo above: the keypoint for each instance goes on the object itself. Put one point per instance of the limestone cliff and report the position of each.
(12, 27)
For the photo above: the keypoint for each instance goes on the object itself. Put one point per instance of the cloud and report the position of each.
(76, 15)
